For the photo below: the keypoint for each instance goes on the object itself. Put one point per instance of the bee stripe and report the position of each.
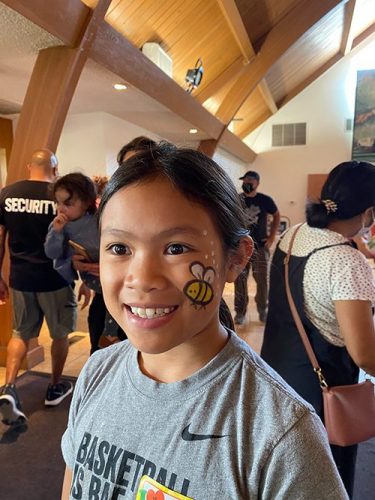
(201, 295)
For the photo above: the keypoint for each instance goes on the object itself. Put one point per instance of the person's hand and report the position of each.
(4, 292)
(59, 222)
(81, 265)
(269, 242)
(84, 293)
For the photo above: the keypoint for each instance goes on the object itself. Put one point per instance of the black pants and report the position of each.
(259, 266)
(96, 320)
(345, 458)
(100, 322)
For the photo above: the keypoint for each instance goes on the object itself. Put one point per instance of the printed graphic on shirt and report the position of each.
(149, 489)
(106, 471)
(17, 205)
(252, 213)
(200, 291)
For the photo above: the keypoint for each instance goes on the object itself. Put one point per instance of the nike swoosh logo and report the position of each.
(188, 436)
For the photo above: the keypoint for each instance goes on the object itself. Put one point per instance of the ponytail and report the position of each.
(225, 315)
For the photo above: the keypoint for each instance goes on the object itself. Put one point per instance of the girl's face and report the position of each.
(162, 267)
(72, 207)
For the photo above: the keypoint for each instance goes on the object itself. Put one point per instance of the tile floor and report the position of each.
(251, 332)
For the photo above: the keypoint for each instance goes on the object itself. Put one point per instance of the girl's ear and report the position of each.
(239, 259)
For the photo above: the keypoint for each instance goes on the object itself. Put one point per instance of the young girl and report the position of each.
(185, 409)
(76, 221)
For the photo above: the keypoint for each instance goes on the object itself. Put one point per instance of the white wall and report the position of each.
(234, 167)
(324, 106)
(90, 142)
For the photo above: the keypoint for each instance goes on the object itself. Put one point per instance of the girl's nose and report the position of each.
(145, 274)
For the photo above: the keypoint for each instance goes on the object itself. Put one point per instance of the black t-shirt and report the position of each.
(26, 210)
(257, 208)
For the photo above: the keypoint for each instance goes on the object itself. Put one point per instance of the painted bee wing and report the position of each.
(209, 275)
(197, 270)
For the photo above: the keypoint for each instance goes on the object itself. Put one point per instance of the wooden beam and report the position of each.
(236, 22)
(267, 96)
(128, 62)
(62, 18)
(364, 35)
(325, 67)
(6, 138)
(347, 35)
(208, 147)
(236, 25)
(6, 141)
(228, 140)
(230, 73)
(111, 50)
(49, 94)
(254, 124)
(311, 78)
(292, 26)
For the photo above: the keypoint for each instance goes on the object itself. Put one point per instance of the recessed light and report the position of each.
(120, 86)
(193, 131)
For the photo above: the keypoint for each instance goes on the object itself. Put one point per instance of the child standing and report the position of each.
(185, 409)
(76, 220)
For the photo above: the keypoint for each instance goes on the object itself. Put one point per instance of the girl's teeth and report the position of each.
(150, 312)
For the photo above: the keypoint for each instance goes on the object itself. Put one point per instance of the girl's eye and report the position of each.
(176, 249)
(119, 249)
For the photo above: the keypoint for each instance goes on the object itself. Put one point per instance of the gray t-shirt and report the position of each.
(233, 430)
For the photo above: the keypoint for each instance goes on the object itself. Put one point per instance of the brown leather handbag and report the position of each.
(349, 410)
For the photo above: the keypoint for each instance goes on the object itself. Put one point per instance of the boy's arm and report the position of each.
(54, 246)
(273, 229)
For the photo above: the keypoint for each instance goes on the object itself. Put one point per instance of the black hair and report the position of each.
(79, 185)
(138, 144)
(199, 179)
(348, 191)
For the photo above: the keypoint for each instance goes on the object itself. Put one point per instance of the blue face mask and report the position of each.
(363, 232)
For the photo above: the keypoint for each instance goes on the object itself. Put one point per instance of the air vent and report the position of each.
(157, 55)
(289, 134)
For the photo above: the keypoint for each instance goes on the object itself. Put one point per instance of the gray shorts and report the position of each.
(59, 308)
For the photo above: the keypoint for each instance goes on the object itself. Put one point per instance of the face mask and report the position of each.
(363, 232)
(247, 188)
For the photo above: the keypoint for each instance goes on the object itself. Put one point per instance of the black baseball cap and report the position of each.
(251, 173)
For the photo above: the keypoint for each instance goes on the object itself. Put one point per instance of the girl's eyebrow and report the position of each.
(189, 230)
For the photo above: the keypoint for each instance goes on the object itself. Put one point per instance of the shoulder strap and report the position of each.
(296, 317)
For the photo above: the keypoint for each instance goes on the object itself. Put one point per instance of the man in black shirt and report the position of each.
(258, 208)
(38, 291)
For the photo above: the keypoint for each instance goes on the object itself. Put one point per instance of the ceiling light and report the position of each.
(193, 131)
(120, 86)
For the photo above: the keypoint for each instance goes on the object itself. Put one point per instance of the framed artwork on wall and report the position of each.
(364, 117)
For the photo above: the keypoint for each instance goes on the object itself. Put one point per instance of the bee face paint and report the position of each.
(200, 290)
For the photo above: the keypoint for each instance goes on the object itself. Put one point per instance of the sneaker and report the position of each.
(10, 406)
(239, 319)
(58, 392)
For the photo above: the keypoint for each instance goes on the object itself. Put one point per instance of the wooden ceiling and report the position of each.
(257, 54)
